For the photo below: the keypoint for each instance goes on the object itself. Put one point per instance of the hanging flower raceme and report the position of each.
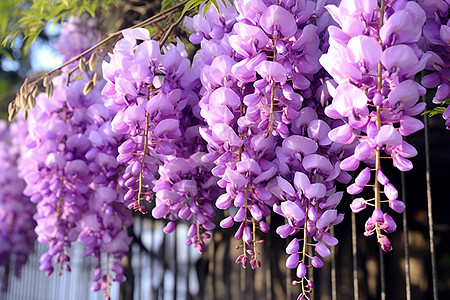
(155, 97)
(373, 56)
(17, 236)
(69, 165)
(262, 112)
(148, 91)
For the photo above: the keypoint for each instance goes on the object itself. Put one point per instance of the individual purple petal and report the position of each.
(431, 81)
(301, 270)
(284, 231)
(365, 49)
(349, 164)
(332, 201)
(354, 189)
(301, 181)
(404, 25)
(400, 59)
(292, 247)
(277, 19)
(285, 186)
(170, 227)
(169, 128)
(329, 239)
(256, 212)
(225, 96)
(125, 87)
(326, 218)
(389, 136)
(404, 95)
(315, 191)
(299, 144)
(381, 177)
(316, 262)
(292, 210)
(221, 68)
(136, 34)
(402, 163)
(409, 125)
(247, 234)
(223, 201)
(235, 177)
(317, 161)
(240, 199)
(389, 225)
(307, 40)
(444, 32)
(390, 191)
(363, 151)
(406, 150)
(385, 244)
(240, 215)
(442, 92)
(348, 95)
(318, 130)
(377, 216)
(358, 205)
(264, 227)
(397, 205)
(343, 134)
(226, 133)
(271, 70)
(322, 250)
(160, 211)
(363, 177)
(252, 34)
(292, 261)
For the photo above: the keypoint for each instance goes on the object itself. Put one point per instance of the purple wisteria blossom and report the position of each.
(154, 96)
(69, 164)
(373, 57)
(263, 100)
(17, 235)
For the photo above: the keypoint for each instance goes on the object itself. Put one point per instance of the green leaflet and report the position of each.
(33, 16)
(192, 4)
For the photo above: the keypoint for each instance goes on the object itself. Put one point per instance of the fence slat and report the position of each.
(406, 242)
(430, 211)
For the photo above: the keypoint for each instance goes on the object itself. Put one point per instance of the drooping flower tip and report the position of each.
(358, 205)
(385, 244)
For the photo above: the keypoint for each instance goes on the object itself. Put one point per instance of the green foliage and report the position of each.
(192, 4)
(438, 110)
(32, 16)
(165, 4)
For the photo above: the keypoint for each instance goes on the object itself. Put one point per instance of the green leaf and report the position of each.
(191, 4)
(446, 101)
(207, 6)
(30, 17)
(30, 40)
(435, 111)
(6, 53)
(216, 4)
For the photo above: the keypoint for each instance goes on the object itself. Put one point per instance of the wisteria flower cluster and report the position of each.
(374, 56)
(69, 164)
(266, 129)
(282, 100)
(17, 235)
(155, 98)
